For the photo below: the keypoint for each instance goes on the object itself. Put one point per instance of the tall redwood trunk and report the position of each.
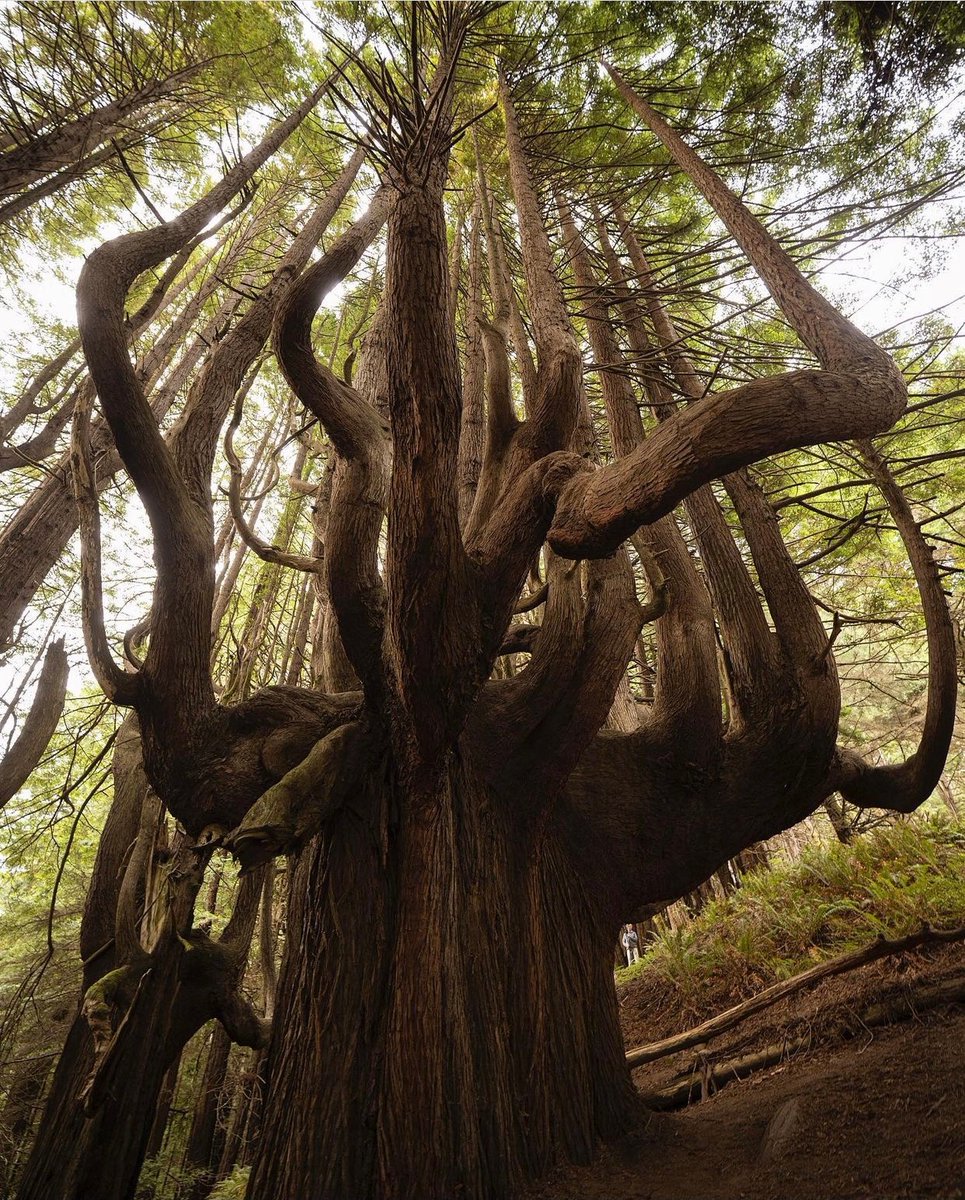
(469, 1045)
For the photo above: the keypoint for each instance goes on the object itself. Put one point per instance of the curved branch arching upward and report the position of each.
(859, 393)
(178, 658)
(835, 342)
(898, 786)
(758, 675)
(359, 436)
(904, 786)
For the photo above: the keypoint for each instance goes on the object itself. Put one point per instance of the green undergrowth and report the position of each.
(833, 899)
(234, 1187)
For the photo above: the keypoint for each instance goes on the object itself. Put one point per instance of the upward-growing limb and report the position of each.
(904, 786)
(473, 379)
(901, 786)
(183, 547)
(358, 434)
(687, 695)
(66, 144)
(757, 674)
(859, 393)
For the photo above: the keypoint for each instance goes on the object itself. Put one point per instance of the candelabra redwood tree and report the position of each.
(434, 1036)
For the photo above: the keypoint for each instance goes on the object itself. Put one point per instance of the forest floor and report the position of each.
(860, 1112)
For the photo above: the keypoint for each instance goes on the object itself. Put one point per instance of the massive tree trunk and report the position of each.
(450, 1006)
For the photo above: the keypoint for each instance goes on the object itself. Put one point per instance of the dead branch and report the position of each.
(703, 1079)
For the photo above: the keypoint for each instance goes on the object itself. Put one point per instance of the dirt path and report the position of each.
(881, 1114)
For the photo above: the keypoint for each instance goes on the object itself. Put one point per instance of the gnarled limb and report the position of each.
(859, 393)
(753, 675)
(195, 438)
(41, 444)
(295, 808)
(106, 1006)
(708, 439)
(36, 536)
(838, 345)
(783, 688)
(545, 715)
(181, 533)
(353, 426)
(168, 994)
(565, 692)
(108, 273)
(798, 627)
(507, 545)
(265, 551)
(513, 474)
(117, 684)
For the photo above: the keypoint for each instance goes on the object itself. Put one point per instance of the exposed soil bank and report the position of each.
(864, 1114)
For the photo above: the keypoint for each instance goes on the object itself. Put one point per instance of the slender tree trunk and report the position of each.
(842, 827)
(159, 1125)
(62, 1117)
(200, 1152)
(237, 1140)
(70, 142)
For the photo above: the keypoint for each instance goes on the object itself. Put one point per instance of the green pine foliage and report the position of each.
(833, 899)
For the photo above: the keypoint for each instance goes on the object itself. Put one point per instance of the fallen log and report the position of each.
(834, 966)
(703, 1078)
